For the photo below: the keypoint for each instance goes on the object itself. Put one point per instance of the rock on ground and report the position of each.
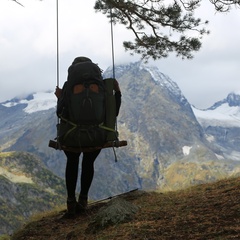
(116, 211)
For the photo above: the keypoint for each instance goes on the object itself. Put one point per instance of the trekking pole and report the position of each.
(115, 196)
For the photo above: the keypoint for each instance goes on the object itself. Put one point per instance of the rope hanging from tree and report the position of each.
(112, 41)
(57, 22)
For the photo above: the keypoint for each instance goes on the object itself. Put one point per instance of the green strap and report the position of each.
(66, 120)
(71, 129)
(75, 126)
(106, 128)
(100, 125)
(68, 132)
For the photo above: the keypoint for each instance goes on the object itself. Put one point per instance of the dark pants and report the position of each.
(71, 174)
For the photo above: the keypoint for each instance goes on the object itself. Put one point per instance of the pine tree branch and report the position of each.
(18, 2)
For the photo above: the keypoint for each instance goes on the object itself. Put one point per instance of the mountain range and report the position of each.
(171, 144)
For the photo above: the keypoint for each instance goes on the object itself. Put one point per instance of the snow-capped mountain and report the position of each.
(35, 102)
(161, 79)
(221, 123)
(225, 113)
(164, 81)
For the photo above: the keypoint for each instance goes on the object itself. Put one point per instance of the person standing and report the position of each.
(72, 166)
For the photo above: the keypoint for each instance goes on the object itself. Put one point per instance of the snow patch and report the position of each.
(10, 104)
(40, 102)
(210, 138)
(219, 157)
(186, 150)
(223, 115)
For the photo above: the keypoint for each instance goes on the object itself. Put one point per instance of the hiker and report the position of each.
(87, 171)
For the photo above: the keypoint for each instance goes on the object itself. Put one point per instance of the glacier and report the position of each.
(224, 115)
(40, 101)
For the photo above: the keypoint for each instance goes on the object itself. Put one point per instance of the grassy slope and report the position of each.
(208, 211)
(26, 187)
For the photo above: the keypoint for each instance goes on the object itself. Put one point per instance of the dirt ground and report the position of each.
(209, 211)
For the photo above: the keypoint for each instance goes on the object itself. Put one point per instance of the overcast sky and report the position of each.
(28, 49)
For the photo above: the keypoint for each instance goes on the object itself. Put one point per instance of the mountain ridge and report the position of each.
(221, 124)
(232, 99)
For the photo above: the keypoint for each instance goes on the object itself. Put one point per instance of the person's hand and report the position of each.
(58, 92)
(116, 87)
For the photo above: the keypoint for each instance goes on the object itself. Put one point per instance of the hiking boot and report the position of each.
(71, 207)
(82, 204)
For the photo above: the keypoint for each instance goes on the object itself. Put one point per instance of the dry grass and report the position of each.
(209, 211)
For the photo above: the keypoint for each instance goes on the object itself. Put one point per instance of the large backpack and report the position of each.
(84, 119)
